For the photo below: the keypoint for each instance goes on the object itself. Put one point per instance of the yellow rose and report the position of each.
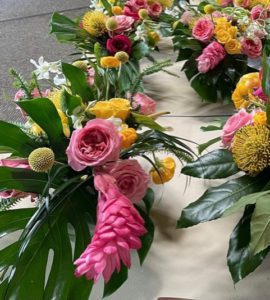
(233, 46)
(223, 36)
(244, 89)
(232, 31)
(129, 137)
(260, 118)
(166, 172)
(108, 62)
(116, 107)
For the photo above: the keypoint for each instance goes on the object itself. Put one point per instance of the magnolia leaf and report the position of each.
(240, 259)
(70, 103)
(212, 204)
(147, 122)
(148, 200)
(204, 146)
(214, 165)
(260, 224)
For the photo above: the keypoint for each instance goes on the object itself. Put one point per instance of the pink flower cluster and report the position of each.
(132, 8)
(211, 56)
(203, 30)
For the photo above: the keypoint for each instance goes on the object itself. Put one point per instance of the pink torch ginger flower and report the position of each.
(211, 56)
(118, 230)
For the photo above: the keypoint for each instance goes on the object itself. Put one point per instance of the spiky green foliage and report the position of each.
(21, 83)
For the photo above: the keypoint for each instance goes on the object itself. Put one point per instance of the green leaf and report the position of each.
(43, 112)
(70, 103)
(149, 199)
(240, 259)
(266, 81)
(13, 137)
(78, 82)
(244, 201)
(140, 50)
(207, 92)
(214, 165)
(115, 282)
(204, 146)
(260, 224)
(147, 122)
(107, 6)
(212, 204)
(147, 239)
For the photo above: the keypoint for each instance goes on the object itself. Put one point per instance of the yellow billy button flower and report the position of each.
(115, 107)
(109, 62)
(260, 118)
(41, 160)
(129, 137)
(143, 14)
(117, 10)
(209, 9)
(233, 46)
(111, 24)
(94, 22)
(251, 148)
(153, 38)
(122, 56)
(166, 172)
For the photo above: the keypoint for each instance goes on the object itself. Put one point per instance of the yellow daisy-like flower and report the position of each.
(166, 172)
(94, 22)
(115, 107)
(109, 62)
(251, 148)
(129, 137)
(233, 46)
(244, 89)
(260, 118)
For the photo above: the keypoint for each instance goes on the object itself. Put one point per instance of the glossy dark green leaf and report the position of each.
(139, 51)
(71, 103)
(204, 146)
(78, 82)
(13, 137)
(266, 79)
(147, 239)
(43, 112)
(240, 259)
(149, 199)
(115, 282)
(213, 165)
(212, 204)
(147, 122)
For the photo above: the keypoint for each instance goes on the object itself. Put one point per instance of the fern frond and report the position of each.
(20, 83)
(6, 204)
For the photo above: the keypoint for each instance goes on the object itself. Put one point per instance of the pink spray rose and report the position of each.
(124, 23)
(233, 124)
(258, 12)
(154, 9)
(259, 93)
(146, 104)
(252, 47)
(118, 230)
(211, 56)
(132, 8)
(94, 145)
(186, 17)
(91, 76)
(131, 180)
(203, 30)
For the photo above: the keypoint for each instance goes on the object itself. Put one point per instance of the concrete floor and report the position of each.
(184, 263)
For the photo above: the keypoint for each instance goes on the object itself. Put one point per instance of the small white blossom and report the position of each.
(42, 68)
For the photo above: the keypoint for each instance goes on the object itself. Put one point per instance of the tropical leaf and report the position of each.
(204, 146)
(116, 281)
(148, 200)
(146, 121)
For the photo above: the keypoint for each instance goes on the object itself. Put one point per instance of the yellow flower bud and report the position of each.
(108, 62)
(129, 137)
(111, 24)
(209, 9)
(41, 159)
(153, 38)
(166, 172)
(117, 10)
(143, 14)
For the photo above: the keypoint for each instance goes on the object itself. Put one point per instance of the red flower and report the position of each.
(119, 43)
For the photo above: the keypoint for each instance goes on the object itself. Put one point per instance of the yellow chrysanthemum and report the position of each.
(166, 172)
(94, 22)
(244, 89)
(166, 3)
(260, 118)
(129, 137)
(233, 46)
(251, 148)
(109, 62)
(115, 107)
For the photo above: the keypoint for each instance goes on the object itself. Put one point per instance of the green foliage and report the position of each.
(115, 282)
(20, 83)
(70, 103)
(266, 79)
(204, 146)
(148, 200)
(146, 121)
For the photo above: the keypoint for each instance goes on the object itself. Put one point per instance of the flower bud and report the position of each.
(80, 64)
(209, 9)
(143, 14)
(122, 56)
(41, 159)
(111, 24)
(117, 10)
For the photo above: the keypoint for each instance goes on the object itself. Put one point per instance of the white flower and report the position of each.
(42, 68)
(59, 79)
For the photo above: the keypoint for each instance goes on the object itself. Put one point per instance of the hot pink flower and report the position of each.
(124, 23)
(118, 230)
(259, 93)
(154, 9)
(258, 12)
(203, 30)
(19, 95)
(211, 56)
(130, 177)
(119, 43)
(94, 145)
(91, 76)
(132, 8)
(35, 94)
(146, 104)
(233, 124)
(252, 48)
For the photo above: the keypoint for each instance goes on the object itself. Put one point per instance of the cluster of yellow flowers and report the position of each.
(226, 34)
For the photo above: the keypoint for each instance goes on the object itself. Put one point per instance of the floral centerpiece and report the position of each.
(220, 44)
(75, 158)
(245, 155)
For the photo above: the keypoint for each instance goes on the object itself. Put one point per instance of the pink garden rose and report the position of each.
(132, 8)
(124, 23)
(252, 47)
(154, 9)
(259, 93)
(94, 145)
(203, 30)
(146, 104)
(130, 177)
(258, 12)
(211, 56)
(118, 231)
(233, 124)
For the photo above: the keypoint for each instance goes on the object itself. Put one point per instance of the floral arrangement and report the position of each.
(245, 155)
(75, 158)
(220, 44)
